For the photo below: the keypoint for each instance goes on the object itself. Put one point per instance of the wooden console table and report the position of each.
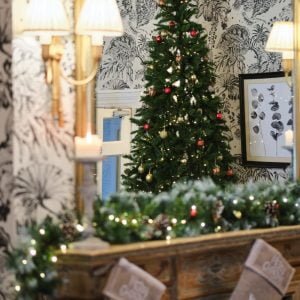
(206, 267)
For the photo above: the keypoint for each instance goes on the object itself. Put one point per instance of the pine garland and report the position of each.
(33, 260)
(196, 208)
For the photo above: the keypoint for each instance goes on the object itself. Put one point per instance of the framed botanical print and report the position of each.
(266, 108)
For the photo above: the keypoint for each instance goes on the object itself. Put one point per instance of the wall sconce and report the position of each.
(47, 19)
(281, 39)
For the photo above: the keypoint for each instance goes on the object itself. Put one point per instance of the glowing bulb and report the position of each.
(79, 228)
(63, 248)
(285, 200)
(42, 231)
(42, 275)
(54, 259)
(117, 220)
(169, 228)
(168, 237)
(33, 242)
(183, 222)
(134, 221)
(235, 201)
(251, 197)
(17, 288)
(32, 252)
(202, 224)
(174, 221)
(150, 221)
(24, 262)
(124, 222)
(111, 217)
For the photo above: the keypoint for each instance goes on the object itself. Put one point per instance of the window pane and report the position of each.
(111, 129)
(110, 175)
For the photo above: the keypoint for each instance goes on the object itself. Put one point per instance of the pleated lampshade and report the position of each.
(100, 18)
(281, 39)
(46, 18)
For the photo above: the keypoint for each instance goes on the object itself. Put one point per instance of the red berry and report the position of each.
(172, 24)
(193, 211)
(200, 143)
(167, 90)
(219, 116)
(193, 33)
(158, 39)
(229, 172)
(146, 126)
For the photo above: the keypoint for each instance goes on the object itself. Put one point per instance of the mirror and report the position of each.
(237, 36)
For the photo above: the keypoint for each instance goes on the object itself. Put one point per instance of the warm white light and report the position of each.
(289, 137)
(54, 259)
(100, 18)
(174, 221)
(33, 242)
(32, 252)
(251, 197)
(46, 18)
(42, 231)
(24, 262)
(281, 39)
(42, 275)
(134, 221)
(17, 288)
(63, 248)
(79, 228)
(235, 201)
(124, 222)
(111, 217)
(203, 224)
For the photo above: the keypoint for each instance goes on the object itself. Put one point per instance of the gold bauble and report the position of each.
(141, 169)
(149, 177)
(163, 134)
(237, 214)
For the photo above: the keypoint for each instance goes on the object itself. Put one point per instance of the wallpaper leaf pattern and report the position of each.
(6, 169)
(237, 33)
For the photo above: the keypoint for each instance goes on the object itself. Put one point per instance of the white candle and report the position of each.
(289, 137)
(88, 147)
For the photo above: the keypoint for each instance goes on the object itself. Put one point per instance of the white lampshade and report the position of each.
(46, 18)
(100, 18)
(281, 39)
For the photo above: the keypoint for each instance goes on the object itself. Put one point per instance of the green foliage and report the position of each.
(129, 217)
(167, 149)
(33, 260)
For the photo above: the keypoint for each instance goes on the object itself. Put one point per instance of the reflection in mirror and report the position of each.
(237, 37)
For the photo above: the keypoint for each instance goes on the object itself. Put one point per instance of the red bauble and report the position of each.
(146, 126)
(172, 24)
(219, 116)
(158, 39)
(167, 90)
(229, 172)
(193, 33)
(200, 143)
(193, 211)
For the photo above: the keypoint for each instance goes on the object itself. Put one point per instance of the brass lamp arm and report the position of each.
(82, 81)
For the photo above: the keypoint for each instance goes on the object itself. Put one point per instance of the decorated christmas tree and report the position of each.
(181, 133)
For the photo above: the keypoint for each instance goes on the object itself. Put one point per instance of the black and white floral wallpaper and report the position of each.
(237, 33)
(35, 154)
(6, 158)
